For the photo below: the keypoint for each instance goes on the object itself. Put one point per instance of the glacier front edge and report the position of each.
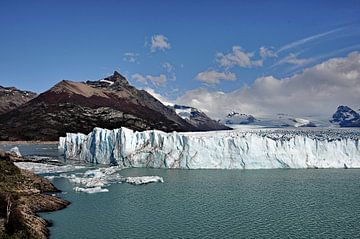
(236, 149)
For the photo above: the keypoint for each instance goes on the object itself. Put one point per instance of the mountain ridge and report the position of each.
(11, 98)
(70, 106)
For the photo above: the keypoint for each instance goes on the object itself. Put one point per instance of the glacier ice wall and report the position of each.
(238, 149)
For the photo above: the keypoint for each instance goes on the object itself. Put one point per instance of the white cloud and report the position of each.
(159, 42)
(308, 39)
(238, 57)
(293, 59)
(170, 69)
(317, 91)
(140, 78)
(156, 80)
(267, 52)
(131, 57)
(213, 77)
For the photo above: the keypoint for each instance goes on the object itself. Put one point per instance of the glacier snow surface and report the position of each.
(237, 149)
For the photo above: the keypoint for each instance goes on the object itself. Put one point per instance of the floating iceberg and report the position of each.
(93, 180)
(237, 149)
(91, 190)
(144, 180)
(96, 180)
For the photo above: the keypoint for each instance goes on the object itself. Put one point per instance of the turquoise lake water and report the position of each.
(216, 204)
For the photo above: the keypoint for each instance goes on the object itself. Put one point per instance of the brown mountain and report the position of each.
(81, 106)
(11, 98)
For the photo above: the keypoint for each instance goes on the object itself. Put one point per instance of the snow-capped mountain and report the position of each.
(286, 120)
(185, 112)
(280, 120)
(237, 118)
(346, 117)
(197, 118)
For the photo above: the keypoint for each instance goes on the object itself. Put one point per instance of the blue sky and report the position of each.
(212, 45)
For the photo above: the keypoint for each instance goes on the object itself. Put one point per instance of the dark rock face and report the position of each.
(11, 98)
(80, 106)
(346, 117)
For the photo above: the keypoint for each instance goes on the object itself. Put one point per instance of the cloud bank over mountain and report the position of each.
(316, 91)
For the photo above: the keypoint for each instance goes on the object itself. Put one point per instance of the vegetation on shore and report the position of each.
(21, 197)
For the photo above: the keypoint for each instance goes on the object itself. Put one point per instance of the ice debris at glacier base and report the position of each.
(94, 180)
(237, 149)
(91, 181)
(43, 168)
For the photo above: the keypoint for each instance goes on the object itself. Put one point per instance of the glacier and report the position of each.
(234, 149)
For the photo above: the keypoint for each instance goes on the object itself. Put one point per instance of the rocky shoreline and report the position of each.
(22, 195)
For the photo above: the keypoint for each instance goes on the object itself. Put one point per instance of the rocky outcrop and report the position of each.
(21, 197)
(80, 106)
(11, 98)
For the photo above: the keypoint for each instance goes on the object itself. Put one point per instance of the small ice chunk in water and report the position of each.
(93, 180)
(16, 151)
(91, 190)
(144, 180)
(50, 177)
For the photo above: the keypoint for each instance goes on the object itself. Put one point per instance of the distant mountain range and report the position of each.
(80, 106)
(280, 120)
(286, 120)
(11, 98)
(343, 117)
